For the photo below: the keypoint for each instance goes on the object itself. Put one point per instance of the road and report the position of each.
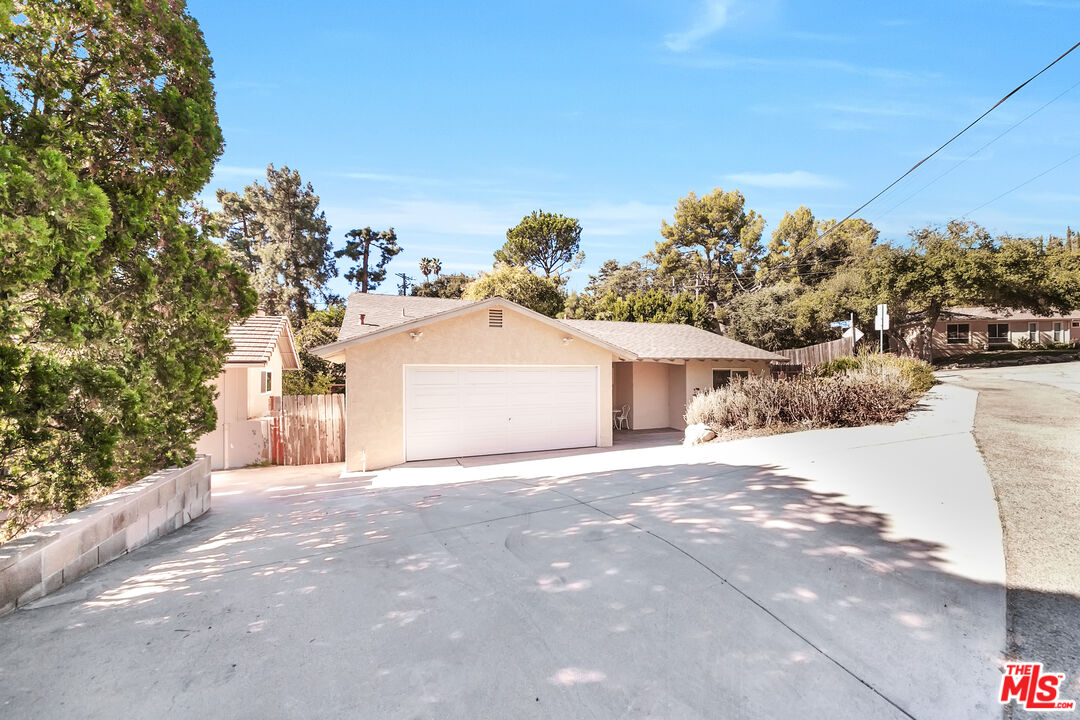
(1027, 425)
(840, 573)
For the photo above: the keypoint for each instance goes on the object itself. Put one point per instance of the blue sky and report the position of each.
(451, 121)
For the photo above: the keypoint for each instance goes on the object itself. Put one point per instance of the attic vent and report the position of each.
(495, 318)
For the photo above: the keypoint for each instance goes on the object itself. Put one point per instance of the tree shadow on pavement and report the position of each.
(698, 590)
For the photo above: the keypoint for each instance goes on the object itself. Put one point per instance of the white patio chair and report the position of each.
(622, 418)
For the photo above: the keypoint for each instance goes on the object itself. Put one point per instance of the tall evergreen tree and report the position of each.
(360, 245)
(114, 304)
(543, 241)
(278, 234)
(722, 237)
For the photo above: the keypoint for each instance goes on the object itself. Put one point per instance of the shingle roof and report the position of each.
(384, 311)
(254, 339)
(666, 341)
(985, 313)
(653, 341)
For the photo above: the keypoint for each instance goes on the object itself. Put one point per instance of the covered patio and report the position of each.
(654, 393)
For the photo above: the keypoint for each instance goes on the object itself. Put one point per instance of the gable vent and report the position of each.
(495, 317)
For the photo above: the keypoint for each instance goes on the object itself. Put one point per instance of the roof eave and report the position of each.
(335, 351)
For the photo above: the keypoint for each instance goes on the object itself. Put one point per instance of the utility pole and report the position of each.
(405, 282)
(852, 334)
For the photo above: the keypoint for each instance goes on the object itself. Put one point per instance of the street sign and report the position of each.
(858, 334)
(841, 324)
(881, 324)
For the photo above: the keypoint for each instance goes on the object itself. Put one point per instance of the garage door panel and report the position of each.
(483, 376)
(469, 410)
(432, 376)
(435, 401)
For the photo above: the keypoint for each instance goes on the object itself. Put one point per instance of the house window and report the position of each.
(997, 333)
(720, 378)
(1033, 332)
(266, 381)
(1059, 335)
(958, 334)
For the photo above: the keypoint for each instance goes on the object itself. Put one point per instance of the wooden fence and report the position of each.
(308, 429)
(813, 355)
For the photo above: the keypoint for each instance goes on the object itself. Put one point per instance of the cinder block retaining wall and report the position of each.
(59, 553)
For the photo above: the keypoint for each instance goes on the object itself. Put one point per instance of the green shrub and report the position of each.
(918, 373)
(837, 366)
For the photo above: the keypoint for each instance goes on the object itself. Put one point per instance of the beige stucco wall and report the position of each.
(374, 386)
(650, 405)
(676, 396)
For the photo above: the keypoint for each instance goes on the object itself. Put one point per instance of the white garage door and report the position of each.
(462, 410)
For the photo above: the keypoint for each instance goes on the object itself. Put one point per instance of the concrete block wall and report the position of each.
(42, 561)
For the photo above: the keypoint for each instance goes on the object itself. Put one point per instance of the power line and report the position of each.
(983, 147)
(916, 166)
(1026, 182)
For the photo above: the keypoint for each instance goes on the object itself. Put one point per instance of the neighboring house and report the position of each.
(433, 378)
(964, 330)
(262, 348)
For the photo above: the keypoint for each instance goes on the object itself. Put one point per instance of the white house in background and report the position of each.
(262, 348)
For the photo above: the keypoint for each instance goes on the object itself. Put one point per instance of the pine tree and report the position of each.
(278, 234)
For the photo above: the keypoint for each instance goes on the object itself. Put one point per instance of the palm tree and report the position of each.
(430, 266)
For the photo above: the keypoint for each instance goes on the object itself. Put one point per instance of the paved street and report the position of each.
(842, 573)
(1027, 426)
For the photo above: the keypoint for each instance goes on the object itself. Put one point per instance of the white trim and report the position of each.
(335, 350)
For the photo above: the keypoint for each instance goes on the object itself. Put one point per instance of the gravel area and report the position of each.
(1027, 425)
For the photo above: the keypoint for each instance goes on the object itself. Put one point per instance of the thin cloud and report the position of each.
(389, 178)
(1053, 4)
(619, 219)
(714, 16)
(729, 62)
(875, 109)
(796, 179)
(427, 217)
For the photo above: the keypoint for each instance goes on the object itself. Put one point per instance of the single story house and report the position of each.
(262, 348)
(434, 378)
(963, 330)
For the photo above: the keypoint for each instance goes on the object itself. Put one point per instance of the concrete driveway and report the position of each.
(842, 574)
